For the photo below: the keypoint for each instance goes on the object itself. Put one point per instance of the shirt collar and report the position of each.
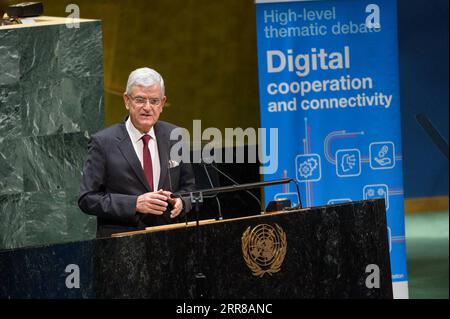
(135, 135)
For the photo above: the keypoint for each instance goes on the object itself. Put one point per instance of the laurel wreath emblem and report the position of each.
(276, 250)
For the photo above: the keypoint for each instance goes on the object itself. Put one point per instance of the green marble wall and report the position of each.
(51, 100)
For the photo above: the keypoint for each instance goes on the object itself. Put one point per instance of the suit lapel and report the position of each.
(163, 149)
(127, 149)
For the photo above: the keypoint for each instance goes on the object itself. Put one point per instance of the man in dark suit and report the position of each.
(128, 176)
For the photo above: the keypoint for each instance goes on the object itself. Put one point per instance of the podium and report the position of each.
(334, 251)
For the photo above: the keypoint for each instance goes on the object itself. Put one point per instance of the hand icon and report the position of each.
(382, 155)
(383, 161)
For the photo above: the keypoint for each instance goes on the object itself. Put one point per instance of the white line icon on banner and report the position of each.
(339, 201)
(348, 163)
(377, 191)
(382, 155)
(308, 168)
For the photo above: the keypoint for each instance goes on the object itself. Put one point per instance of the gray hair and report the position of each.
(145, 77)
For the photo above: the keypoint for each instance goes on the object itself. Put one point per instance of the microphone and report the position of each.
(433, 133)
(170, 177)
(171, 188)
(236, 183)
(212, 186)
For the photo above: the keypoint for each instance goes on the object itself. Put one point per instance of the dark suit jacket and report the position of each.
(113, 179)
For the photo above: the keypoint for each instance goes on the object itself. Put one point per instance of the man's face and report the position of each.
(144, 104)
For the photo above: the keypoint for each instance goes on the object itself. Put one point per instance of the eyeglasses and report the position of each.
(141, 101)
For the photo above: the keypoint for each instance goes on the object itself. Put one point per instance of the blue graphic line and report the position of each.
(332, 136)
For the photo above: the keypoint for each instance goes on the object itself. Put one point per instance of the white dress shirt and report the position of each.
(138, 144)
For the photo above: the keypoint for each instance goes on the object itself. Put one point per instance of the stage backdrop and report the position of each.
(328, 80)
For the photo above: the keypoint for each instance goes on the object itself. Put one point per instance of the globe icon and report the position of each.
(264, 245)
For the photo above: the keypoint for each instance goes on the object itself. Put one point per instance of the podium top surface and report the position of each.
(44, 21)
(202, 222)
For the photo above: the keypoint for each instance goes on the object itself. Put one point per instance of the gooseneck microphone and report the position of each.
(171, 188)
(433, 134)
(236, 183)
(212, 186)
(170, 177)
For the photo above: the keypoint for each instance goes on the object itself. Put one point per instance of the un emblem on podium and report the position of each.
(264, 248)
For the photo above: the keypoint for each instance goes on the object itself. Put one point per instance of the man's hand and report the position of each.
(176, 203)
(152, 203)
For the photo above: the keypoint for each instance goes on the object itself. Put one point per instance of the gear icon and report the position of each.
(307, 168)
(313, 163)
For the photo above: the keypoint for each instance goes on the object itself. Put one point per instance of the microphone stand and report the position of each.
(232, 188)
(200, 278)
(196, 199)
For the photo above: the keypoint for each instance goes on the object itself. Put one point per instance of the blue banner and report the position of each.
(328, 81)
